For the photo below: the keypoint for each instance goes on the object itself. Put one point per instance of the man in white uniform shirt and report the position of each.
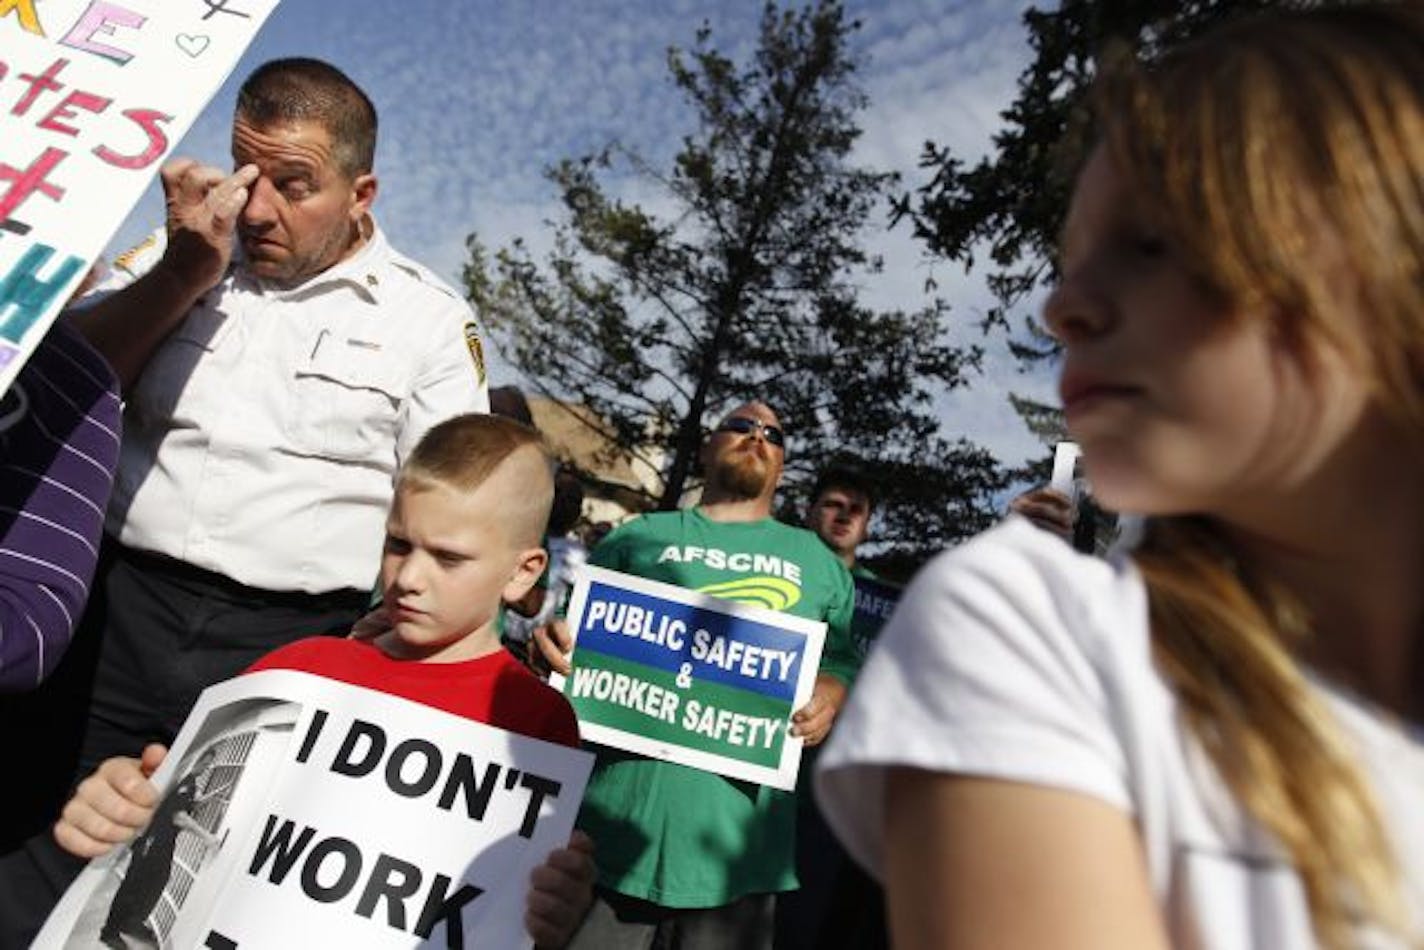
(278, 360)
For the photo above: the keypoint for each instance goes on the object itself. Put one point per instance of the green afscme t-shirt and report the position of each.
(682, 837)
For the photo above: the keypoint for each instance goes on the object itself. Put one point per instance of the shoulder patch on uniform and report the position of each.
(129, 259)
(477, 350)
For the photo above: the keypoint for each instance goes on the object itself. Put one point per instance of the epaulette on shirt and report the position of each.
(423, 275)
(473, 341)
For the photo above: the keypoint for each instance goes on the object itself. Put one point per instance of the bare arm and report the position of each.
(203, 207)
(974, 863)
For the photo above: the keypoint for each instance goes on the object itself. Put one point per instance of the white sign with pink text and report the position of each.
(94, 94)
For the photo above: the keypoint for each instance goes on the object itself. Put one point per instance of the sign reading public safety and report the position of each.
(680, 676)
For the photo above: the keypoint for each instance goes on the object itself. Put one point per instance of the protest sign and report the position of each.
(875, 601)
(93, 96)
(681, 676)
(1067, 470)
(302, 811)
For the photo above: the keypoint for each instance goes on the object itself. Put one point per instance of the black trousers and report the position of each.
(155, 634)
(618, 922)
(837, 904)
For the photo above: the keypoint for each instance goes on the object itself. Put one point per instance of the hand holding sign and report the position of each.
(1054, 508)
(560, 892)
(812, 722)
(1047, 508)
(203, 206)
(111, 806)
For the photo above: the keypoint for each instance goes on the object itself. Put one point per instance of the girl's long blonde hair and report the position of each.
(1282, 153)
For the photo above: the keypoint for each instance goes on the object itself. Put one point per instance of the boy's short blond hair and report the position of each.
(462, 453)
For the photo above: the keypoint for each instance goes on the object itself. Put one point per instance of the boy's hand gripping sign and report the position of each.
(681, 676)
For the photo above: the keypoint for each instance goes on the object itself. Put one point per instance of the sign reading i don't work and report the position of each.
(688, 678)
(93, 96)
(302, 811)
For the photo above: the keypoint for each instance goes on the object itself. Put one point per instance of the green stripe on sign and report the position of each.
(709, 717)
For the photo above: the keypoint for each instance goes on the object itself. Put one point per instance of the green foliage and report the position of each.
(1010, 206)
(747, 287)
(1046, 424)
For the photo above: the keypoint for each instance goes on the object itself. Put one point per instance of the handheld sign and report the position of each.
(1066, 470)
(302, 811)
(875, 601)
(95, 94)
(681, 676)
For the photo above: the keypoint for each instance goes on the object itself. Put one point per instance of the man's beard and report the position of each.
(301, 266)
(742, 474)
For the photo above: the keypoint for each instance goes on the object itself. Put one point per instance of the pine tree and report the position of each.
(748, 288)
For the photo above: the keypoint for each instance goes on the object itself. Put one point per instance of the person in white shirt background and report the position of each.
(278, 360)
(1213, 739)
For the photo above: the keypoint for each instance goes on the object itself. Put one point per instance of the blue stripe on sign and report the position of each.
(642, 628)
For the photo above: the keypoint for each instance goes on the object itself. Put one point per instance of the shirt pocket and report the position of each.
(348, 399)
(174, 372)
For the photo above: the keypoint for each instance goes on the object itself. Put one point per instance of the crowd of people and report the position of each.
(1210, 735)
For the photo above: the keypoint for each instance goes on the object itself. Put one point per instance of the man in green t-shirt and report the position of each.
(689, 858)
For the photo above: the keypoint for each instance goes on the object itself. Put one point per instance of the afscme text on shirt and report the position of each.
(738, 561)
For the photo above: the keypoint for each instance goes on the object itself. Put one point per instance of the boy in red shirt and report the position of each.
(462, 536)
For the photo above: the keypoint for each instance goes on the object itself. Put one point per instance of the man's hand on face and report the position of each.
(203, 204)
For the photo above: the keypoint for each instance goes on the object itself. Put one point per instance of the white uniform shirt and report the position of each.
(262, 439)
(1015, 657)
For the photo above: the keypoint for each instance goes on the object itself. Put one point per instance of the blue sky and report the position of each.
(476, 97)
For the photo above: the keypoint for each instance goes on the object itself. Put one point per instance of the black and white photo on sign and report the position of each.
(145, 885)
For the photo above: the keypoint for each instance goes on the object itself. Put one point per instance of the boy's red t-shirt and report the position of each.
(493, 689)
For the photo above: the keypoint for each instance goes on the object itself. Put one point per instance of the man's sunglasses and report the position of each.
(744, 426)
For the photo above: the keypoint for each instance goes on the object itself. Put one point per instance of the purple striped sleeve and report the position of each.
(55, 476)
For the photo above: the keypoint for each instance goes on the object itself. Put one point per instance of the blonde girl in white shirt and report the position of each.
(1211, 741)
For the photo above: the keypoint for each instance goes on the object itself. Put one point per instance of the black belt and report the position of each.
(169, 568)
